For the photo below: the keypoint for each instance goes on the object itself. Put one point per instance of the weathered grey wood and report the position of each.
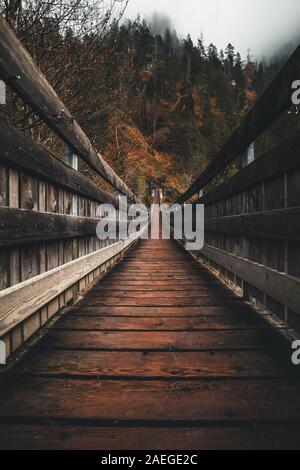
(33, 87)
(18, 226)
(279, 224)
(282, 158)
(280, 286)
(4, 268)
(273, 102)
(29, 262)
(52, 199)
(14, 253)
(3, 186)
(28, 192)
(19, 152)
(19, 302)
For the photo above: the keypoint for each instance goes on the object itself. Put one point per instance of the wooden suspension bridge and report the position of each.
(138, 344)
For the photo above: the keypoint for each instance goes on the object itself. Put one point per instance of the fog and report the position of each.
(263, 26)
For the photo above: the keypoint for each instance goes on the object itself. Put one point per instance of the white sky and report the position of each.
(260, 25)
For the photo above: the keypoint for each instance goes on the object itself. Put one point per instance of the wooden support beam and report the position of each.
(280, 286)
(22, 75)
(19, 226)
(281, 159)
(281, 224)
(21, 301)
(271, 105)
(19, 152)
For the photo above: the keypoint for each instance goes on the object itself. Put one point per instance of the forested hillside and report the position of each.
(155, 105)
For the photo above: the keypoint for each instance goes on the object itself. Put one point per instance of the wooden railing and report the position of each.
(252, 219)
(49, 251)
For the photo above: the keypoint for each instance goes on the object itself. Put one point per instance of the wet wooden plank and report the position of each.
(174, 311)
(157, 286)
(71, 437)
(167, 341)
(215, 293)
(152, 401)
(170, 365)
(153, 323)
(157, 301)
(158, 365)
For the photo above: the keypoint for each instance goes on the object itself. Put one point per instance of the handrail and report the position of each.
(271, 105)
(21, 153)
(264, 168)
(22, 75)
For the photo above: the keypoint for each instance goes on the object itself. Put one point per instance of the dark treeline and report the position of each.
(153, 103)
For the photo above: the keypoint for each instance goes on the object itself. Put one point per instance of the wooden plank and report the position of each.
(52, 255)
(280, 286)
(4, 269)
(35, 90)
(14, 201)
(174, 311)
(3, 186)
(167, 294)
(52, 199)
(144, 367)
(293, 184)
(28, 192)
(105, 401)
(271, 105)
(13, 188)
(20, 226)
(192, 365)
(19, 152)
(21, 301)
(71, 437)
(281, 224)
(200, 323)
(158, 302)
(29, 265)
(164, 341)
(157, 286)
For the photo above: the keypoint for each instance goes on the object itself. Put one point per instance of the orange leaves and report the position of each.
(215, 111)
(251, 95)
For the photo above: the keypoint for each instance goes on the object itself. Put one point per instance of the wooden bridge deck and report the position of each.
(158, 355)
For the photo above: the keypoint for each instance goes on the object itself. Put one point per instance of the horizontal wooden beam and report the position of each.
(271, 105)
(279, 160)
(283, 288)
(19, 302)
(19, 226)
(19, 152)
(281, 224)
(22, 75)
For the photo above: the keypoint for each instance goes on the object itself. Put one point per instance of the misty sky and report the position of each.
(260, 25)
